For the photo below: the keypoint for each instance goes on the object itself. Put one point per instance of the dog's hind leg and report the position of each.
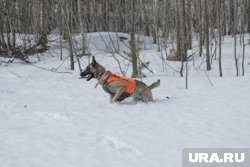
(143, 94)
(147, 96)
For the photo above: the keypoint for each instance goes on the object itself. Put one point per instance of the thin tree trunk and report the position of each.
(177, 29)
(235, 38)
(79, 7)
(206, 30)
(243, 55)
(183, 36)
(243, 9)
(70, 40)
(44, 25)
(231, 17)
(189, 25)
(200, 28)
(132, 42)
(248, 16)
(220, 9)
(186, 79)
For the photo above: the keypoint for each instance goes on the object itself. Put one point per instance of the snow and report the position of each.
(56, 119)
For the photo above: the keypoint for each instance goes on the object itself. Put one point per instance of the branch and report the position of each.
(51, 70)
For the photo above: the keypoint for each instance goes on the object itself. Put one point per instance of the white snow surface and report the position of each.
(50, 119)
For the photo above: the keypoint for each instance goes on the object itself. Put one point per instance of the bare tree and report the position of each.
(132, 42)
(235, 38)
(206, 32)
(242, 18)
(220, 14)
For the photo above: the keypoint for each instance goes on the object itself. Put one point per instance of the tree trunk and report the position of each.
(189, 25)
(70, 40)
(235, 39)
(183, 35)
(248, 16)
(243, 9)
(220, 14)
(132, 43)
(206, 31)
(44, 25)
(200, 29)
(231, 17)
(177, 29)
(82, 30)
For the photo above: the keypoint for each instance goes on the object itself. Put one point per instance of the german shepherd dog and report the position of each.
(119, 87)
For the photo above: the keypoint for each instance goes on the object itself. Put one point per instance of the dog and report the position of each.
(118, 87)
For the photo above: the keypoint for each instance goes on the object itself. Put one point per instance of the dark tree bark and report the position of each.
(201, 39)
(206, 31)
(248, 16)
(189, 25)
(235, 38)
(231, 17)
(220, 14)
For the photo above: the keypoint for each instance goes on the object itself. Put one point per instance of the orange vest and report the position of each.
(129, 82)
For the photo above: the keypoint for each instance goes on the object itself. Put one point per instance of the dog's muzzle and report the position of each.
(87, 74)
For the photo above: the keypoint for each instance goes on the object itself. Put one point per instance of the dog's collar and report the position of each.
(101, 77)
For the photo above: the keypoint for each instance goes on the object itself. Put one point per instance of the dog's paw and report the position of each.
(112, 101)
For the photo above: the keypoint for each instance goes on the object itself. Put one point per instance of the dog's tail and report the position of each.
(155, 84)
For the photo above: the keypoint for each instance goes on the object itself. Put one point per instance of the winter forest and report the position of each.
(50, 116)
(172, 25)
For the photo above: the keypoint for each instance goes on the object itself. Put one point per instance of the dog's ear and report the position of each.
(93, 61)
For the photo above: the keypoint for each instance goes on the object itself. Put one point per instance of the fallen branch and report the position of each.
(6, 62)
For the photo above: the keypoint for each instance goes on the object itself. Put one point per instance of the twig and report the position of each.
(62, 63)
(207, 76)
(7, 62)
(145, 66)
(51, 70)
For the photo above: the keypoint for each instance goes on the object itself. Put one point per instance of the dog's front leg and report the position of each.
(118, 93)
(111, 98)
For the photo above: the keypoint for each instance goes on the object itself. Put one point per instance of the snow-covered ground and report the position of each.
(52, 119)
